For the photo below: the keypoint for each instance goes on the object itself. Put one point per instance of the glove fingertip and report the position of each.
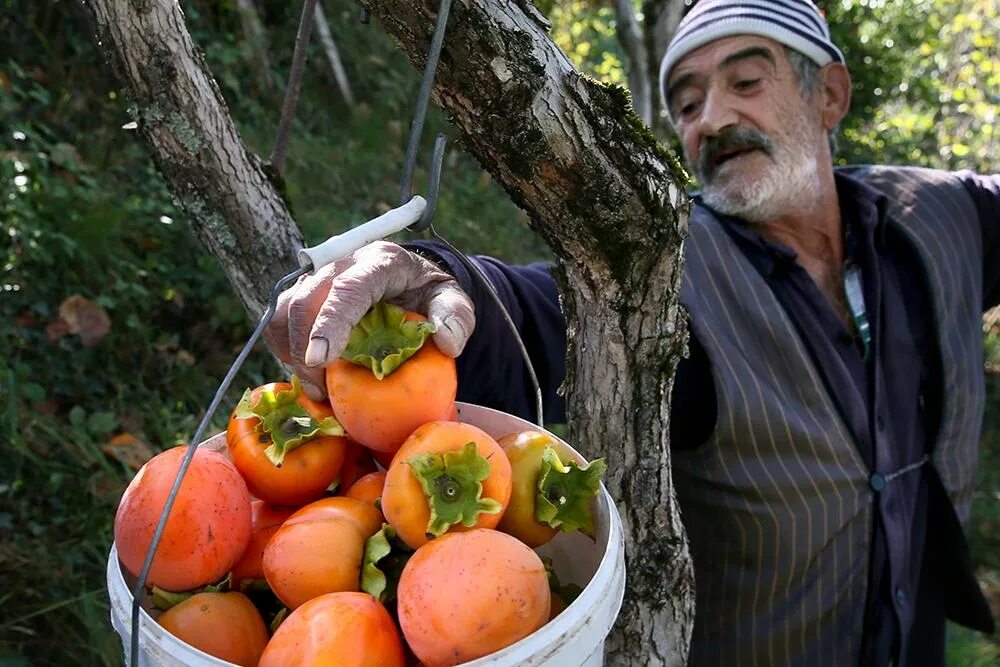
(451, 336)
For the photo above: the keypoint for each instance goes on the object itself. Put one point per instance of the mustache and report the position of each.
(730, 139)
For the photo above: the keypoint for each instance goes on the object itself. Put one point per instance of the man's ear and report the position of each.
(836, 90)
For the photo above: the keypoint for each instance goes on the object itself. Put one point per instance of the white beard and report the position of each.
(789, 181)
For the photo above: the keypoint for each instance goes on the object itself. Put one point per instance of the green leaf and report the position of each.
(77, 416)
(34, 393)
(279, 618)
(452, 484)
(164, 600)
(384, 339)
(565, 491)
(385, 557)
(101, 423)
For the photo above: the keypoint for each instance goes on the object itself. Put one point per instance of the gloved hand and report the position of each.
(314, 318)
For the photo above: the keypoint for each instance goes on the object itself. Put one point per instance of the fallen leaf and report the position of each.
(49, 407)
(86, 318)
(56, 329)
(128, 449)
(25, 319)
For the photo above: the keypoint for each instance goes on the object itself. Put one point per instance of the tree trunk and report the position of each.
(630, 36)
(610, 203)
(660, 20)
(604, 195)
(333, 56)
(235, 211)
(254, 35)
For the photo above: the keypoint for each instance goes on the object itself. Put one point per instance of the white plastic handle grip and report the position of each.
(344, 244)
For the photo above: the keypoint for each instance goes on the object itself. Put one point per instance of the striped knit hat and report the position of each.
(797, 24)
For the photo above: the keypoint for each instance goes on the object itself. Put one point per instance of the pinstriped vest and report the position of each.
(777, 503)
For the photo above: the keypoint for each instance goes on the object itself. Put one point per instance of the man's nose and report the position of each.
(716, 115)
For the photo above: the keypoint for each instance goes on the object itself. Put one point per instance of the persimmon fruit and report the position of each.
(552, 488)
(390, 379)
(289, 448)
(345, 629)
(465, 595)
(225, 625)
(209, 524)
(264, 523)
(320, 549)
(447, 476)
(368, 488)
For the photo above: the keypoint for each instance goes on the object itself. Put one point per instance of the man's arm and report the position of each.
(490, 369)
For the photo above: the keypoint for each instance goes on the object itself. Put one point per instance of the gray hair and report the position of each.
(809, 83)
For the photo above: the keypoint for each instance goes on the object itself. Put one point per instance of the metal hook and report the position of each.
(423, 97)
(433, 186)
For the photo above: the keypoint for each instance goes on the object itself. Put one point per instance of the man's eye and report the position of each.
(746, 84)
(687, 108)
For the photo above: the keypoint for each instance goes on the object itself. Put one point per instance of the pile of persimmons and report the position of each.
(375, 529)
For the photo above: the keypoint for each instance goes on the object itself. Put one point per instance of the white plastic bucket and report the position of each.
(575, 637)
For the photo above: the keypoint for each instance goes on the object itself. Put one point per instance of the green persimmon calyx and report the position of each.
(385, 557)
(164, 599)
(384, 339)
(564, 493)
(568, 592)
(284, 420)
(453, 485)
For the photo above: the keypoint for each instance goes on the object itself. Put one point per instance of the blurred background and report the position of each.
(116, 327)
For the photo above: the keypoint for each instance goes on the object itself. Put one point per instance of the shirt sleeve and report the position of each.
(985, 193)
(491, 371)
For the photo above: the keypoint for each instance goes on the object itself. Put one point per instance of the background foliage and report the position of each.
(83, 212)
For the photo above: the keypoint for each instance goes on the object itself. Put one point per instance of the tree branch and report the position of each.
(630, 36)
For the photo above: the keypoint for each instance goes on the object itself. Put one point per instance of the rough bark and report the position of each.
(610, 204)
(234, 209)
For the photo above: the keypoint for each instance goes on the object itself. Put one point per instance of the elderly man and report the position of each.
(832, 401)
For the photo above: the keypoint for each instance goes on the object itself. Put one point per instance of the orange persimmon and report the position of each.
(447, 476)
(288, 447)
(497, 582)
(358, 462)
(320, 549)
(552, 488)
(208, 527)
(344, 629)
(225, 625)
(265, 521)
(368, 488)
(390, 379)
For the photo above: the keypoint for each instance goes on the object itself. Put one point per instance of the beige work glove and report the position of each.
(314, 317)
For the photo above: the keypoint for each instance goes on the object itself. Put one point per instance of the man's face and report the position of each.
(748, 135)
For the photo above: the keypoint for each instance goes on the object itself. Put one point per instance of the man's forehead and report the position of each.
(708, 57)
